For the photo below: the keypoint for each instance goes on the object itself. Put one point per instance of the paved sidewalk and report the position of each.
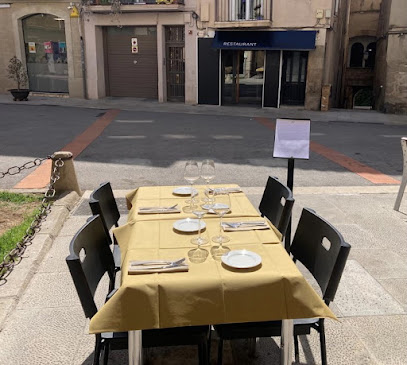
(135, 104)
(47, 326)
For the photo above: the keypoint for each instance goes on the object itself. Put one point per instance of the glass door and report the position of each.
(294, 77)
(46, 53)
(242, 76)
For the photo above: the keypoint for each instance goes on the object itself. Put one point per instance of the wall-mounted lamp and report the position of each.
(194, 15)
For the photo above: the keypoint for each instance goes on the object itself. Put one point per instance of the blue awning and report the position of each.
(296, 40)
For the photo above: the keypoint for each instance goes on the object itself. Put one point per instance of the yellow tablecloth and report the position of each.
(210, 292)
(153, 196)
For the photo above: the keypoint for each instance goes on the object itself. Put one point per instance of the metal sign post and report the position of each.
(291, 141)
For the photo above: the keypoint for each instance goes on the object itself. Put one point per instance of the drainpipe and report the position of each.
(83, 63)
(345, 53)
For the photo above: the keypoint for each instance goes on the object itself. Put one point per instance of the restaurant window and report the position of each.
(46, 53)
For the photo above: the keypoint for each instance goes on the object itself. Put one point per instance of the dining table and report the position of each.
(209, 292)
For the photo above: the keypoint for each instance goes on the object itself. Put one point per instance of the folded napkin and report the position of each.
(155, 210)
(153, 266)
(244, 226)
(227, 190)
(156, 269)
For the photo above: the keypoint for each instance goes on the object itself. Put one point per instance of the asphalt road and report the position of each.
(150, 148)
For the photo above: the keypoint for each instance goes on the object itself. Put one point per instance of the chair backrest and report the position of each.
(102, 202)
(89, 259)
(277, 203)
(322, 250)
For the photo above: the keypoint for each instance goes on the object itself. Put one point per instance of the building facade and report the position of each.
(268, 53)
(47, 39)
(375, 73)
(141, 49)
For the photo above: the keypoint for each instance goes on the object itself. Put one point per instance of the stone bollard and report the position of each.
(67, 180)
(404, 178)
(326, 93)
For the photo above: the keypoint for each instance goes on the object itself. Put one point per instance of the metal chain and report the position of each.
(14, 170)
(14, 256)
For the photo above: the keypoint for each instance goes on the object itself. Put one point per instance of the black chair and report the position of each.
(88, 269)
(102, 202)
(272, 207)
(323, 251)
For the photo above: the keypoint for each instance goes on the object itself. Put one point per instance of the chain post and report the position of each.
(14, 256)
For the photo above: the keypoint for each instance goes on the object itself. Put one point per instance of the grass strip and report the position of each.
(10, 238)
(5, 196)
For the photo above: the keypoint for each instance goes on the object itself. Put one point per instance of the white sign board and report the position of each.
(292, 138)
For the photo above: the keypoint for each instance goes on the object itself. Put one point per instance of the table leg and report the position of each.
(286, 341)
(135, 348)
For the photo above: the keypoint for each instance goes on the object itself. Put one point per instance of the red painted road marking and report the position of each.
(40, 177)
(368, 173)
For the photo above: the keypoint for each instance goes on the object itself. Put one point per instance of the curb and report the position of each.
(19, 279)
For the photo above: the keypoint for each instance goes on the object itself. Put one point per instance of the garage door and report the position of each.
(131, 73)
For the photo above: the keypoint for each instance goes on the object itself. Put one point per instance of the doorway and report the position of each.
(175, 62)
(131, 62)
(242, 77)
(294, 76)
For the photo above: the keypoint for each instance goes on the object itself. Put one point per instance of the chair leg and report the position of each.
(322, 340)
(252, 346)
(98, 345)
(209, 344)
(296, 349)
(106, 353)
(203, 353)
(220, 351)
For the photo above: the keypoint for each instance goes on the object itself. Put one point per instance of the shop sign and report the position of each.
(134, 45)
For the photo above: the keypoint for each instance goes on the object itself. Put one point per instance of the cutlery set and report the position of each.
(156, 264)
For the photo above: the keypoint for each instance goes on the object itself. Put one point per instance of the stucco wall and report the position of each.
(396, 78)
(365, 5)
(7, 49)
(11, 31)
(334, 54)
(315, 72)
(363, 24)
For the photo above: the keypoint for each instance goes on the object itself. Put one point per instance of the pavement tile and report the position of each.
(268, 349)
(41, 336)
(54, 261)
(359, 294)
(385, 337)
(72, 225)
(380, 266)
(50, 290)
(397, 289)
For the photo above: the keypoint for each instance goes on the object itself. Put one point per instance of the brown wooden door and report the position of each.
(131, 74)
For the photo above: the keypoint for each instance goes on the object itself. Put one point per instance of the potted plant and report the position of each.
(16, 71)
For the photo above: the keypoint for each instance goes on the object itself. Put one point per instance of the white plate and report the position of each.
(184, 190)
(188, 225)
(241, 259)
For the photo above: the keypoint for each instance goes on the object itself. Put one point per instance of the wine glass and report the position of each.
(221, 206)
(199, 212)
(207, 173)
(191, 174)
